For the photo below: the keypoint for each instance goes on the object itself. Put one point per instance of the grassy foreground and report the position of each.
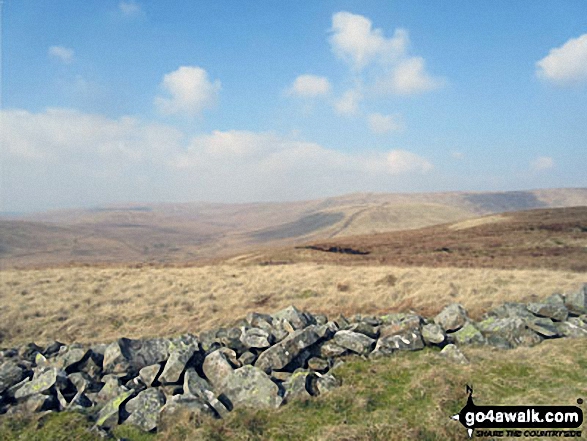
(407, 396)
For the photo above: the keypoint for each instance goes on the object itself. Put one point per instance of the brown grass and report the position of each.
(100, 304)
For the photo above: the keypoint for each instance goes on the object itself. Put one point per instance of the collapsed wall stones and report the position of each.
(264, 361)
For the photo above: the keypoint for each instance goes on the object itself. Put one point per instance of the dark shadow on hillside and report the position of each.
(300, 227)
(501, 202)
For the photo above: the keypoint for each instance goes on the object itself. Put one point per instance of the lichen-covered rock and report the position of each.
(577, 302)
(10, 374)
(130, 356)
(318, 364)
(38, 403)
(410, 340)
(42, 383)
(365, 329)
(148, 374)
(452, 318)
(511, 310)
(144, 409)
(298, 386)
(544, 327)
(573, 328)
(508, 332)
(217, 368)
(180, 353)
(281, 354)
(330, 350)
(355, 342)
(468, 335)
(433, 334)
(109, 415)
(195, 385)
(263, 321)
(398, 323)
(247, 357)
(293, 316)
(250, 386)
(256, 338)
(111, 389)
(454, 354)
(555, 311)
(69, 357)
(325, 383)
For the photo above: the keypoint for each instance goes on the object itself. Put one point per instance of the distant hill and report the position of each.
(190, 232)
(554, 238)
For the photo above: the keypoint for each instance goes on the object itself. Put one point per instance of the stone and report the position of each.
(251, 387)
(318, 364)
(297, 386)
(281, 354)
(454, 354)
(544, 327)
(511, 310)
(130, 356)
(70, 357)
(555, 311)
(217, 368)
(433, 334)
(405, 341)
(42, 383)
(263, 321)
(10, 374)
(355, 342)
(293, 316)
(39, 403)
(398, 323)
(468, 335)
(326, 383)
(573, 328)
(231, 338)
(326, 330)
(188, 408)
(576, 302)
(148, 374)
(509, 332)
(29, 351)
(365, 329)
(247, 358)
(52, 348)
(281, 375)
(195, 385)
(111, 389)
(256, 338)
(330, 350)
(555, 299)
(83, 382)
(109, 415)
(452, 318)
(180, 354)
(144, 409)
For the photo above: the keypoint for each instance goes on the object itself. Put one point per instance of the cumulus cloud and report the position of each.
(309, 86)
(65, 157)
(61, 53)
(355, 41)
(348, 103)
(382, 124)
(542, 163)
(566, 64)
(190, 91)
(129, 8)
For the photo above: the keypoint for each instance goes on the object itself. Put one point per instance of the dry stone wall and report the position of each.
(262, 362)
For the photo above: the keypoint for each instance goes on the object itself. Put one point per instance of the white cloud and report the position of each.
(457, 155)
(566, 64)
(409, 77)
(61, 53)
(355, 41)
(190, 89)
(309, 86)
(129, 7)
(348, 103)
(542, 163)
(382, 124)
(65, 157)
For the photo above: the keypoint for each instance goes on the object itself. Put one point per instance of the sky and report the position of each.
(121, 101)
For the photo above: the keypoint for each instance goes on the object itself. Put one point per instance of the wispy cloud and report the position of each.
(61, 53)
(309, 86)
(541, 163)
(129, 8)
(381, 124)
(348, 103)
(190, 91)
(566, 64)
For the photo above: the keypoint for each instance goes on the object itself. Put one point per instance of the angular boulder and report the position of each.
(293, 316)
(217, 368)
(256, 338)
(554, 311)
(468, 335)
(109, 415)
(577, 301)
(354, 342)
(454, 354)
(508, 332)
(281, 354)
(10, 374)
(452, 318)
(433, 334)
(186, 408)
(43, 383)
(404, 341)
(544, 327)
(251, 387)
(298, 386)
(180, 353)
(144, 409)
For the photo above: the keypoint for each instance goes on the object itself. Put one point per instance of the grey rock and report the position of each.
(452, 318)
(217, 368)
(52, 348)
(29, 351)
(144, 409)
(577, 301)
(433, 334)
(298, 386)
(250, 386)
(355, 342)
(148, 374)
(232, 339)
(69, 357)
(125, 355)
(573, 328)
(180, 353)
(281, 354)
(42, 383)
(365, 329)
(318, 364)
(454, 354)
(468, 335)
(326, 330)
(247, 358)
(405, 341)
(109, 415)
(555, 299)
(293, 316)
(83, 382)
(10, 374)
(326, 383)
(256, 338)
(511, 310)
(39, 403)
(544, 327)
(555, 311)
(508, 332)
(398, 323)
(330, 350)
(195, 385)
(111, 389)
(263, 321)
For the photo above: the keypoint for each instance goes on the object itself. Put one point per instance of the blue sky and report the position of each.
(231, 101)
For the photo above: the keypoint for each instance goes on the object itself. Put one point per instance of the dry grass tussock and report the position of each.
(91, 305)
